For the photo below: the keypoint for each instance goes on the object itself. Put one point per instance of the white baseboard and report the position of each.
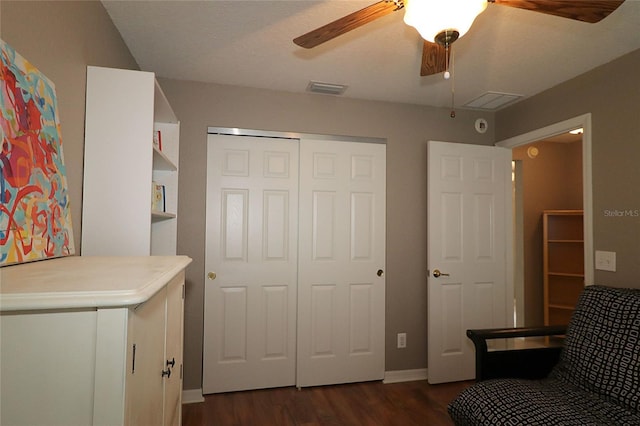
(398, 376)
(192, 396)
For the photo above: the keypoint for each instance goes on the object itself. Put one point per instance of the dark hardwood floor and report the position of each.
(370, 403)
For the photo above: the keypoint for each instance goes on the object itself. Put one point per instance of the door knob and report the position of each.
(437, 273)
(212, 276)
(380, 272)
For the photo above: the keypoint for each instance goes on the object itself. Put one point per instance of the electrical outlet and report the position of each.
(402, 340)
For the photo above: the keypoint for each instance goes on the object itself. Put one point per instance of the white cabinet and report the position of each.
(68, 331)
(155, 376)
(124, 110)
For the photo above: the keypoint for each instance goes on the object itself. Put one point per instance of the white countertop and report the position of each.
(86, 281)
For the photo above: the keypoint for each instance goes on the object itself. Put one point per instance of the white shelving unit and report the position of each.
(563, 264)
(123, 109)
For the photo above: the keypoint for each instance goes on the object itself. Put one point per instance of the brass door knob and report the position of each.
(212, 276)
(437, 273)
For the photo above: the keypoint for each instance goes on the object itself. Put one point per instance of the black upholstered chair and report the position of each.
(596, 380)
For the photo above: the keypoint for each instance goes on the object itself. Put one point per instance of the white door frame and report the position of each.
(555, 129)
(291, 135)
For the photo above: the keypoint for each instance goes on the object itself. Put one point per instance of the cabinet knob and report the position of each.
(166, 373)
(212, 276)
(171, 363)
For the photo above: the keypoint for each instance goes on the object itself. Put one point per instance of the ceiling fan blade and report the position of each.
(348, 23)
(434, 59)
(591, 11)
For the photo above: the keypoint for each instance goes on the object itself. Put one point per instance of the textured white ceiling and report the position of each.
(249, 43)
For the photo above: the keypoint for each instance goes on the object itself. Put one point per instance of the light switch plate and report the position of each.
(606, 260)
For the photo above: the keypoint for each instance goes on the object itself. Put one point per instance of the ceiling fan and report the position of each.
(438, 40)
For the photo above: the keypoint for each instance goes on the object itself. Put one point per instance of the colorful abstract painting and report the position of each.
(35, 216)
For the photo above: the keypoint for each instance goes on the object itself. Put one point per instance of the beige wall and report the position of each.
(612, 94)
(406, 128)
(552, 180)
(61, 38)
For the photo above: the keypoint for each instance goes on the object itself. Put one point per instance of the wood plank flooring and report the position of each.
(370, 403)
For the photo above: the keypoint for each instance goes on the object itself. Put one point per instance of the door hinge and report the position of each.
(183, 291)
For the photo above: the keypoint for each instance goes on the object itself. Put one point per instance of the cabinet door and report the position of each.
(47, 367)
(144, 379)
(173, 383)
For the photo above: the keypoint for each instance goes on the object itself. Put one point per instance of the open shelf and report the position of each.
(563, 245)
(124, 109)
(162, 162)
(155, 215)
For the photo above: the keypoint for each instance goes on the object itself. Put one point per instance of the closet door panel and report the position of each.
(341, 264)
(251, 247)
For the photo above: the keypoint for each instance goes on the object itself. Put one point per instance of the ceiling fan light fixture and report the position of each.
(436, 17)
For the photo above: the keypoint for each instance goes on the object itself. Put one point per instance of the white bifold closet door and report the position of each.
(295, 240)
(341, 284)
(251, 247)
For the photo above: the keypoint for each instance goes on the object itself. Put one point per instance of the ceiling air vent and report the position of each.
(492, 101)
(326, 88)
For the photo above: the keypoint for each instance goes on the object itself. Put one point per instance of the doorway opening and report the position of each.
(551, 170)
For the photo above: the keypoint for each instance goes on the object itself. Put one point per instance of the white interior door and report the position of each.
(469, 241)
(341, 295)
(251, 247)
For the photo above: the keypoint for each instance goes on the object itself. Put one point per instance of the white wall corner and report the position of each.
(192, 396)
(398, 376)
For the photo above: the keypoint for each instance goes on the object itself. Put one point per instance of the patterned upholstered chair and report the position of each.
(596, 380)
